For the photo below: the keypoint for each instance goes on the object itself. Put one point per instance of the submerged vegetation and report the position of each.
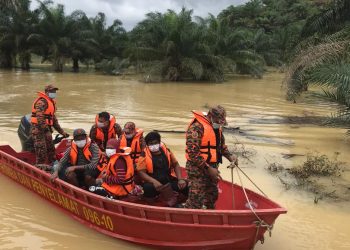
(317, 165)
(171, 46)
(318, 174)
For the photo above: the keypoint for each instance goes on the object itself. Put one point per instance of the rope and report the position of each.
(232, 190)
(260, 222)
(251, 181)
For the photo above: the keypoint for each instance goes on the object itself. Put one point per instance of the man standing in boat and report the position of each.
(42, 120)
(205, 146)
(105, 128)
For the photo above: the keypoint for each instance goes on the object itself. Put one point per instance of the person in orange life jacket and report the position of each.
(157, 166)
(105, 128)
(42, 120)
(133, 137)
(78, 165)
(117, 178)
(205, 146)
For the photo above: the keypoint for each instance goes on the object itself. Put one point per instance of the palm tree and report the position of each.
(324, 60)
(173, 46)
(53, 35)
(17, 29)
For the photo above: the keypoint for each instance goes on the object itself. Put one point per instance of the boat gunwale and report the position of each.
(166, 210)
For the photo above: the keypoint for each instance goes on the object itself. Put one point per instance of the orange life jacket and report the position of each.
(111, 132)
(208, 145)
(118, 189)
(74, 152)
(135, 144)
(102, 162)
(49, 112)
(149, 162)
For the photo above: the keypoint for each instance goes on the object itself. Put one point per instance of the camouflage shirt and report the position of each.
(194, 136)
(40, 106)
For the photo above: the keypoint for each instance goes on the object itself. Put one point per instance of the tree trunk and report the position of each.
(25, 59)
(58, 64)
(6, 61)
(75, 65)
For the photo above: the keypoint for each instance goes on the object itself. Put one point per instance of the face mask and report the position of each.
(129, 136)
(52, 95)
(154, 148)
(100, 124)
(81, 143)
(215, 125)
(110, 152)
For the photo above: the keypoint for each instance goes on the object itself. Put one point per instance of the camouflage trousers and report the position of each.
(203, 191)
(43, 146)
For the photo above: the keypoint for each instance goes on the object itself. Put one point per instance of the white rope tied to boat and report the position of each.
(260, 223)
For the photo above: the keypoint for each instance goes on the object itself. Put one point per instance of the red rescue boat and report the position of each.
(158, 227)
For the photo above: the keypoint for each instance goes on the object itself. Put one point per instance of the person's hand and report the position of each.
(213, 173)
(53, 176)
(181, 183)
(157, 184)
(70, 170)
(65, 134)
(99, 182)
(234, 161)
(103, 174)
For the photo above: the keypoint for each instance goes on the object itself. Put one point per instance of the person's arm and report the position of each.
(118, 130)
(194, 136)
(94, 158)
(176, 166)
(57, 126)
(40, 107)
(142, 143)
(120, 169)
(142, 172)
(63, 162)
(226, 153)
(93, 133)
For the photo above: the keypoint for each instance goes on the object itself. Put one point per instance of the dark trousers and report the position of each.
(150, 191)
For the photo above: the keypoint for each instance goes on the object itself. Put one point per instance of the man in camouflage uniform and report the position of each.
(203, 159)
(42, 123)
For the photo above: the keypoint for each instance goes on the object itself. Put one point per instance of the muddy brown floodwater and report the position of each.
(256, 106)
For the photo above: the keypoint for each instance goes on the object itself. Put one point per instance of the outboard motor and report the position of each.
(24, 133)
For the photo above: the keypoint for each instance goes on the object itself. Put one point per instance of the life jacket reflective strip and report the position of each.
(120, 189)
(149, 162)
(74, 152)
(135, 144)
(111, 132)
(49, 112)
(208, 147)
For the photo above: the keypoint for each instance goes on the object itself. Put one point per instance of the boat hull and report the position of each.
(157, 227)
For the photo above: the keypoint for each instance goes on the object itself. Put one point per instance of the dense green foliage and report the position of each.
(172, 46)
(323, 58)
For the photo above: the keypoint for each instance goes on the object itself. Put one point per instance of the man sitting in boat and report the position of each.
(133, 137)
(105, 128)
(116, 179)
(78, 165)
(160, 171)
(205, 146)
